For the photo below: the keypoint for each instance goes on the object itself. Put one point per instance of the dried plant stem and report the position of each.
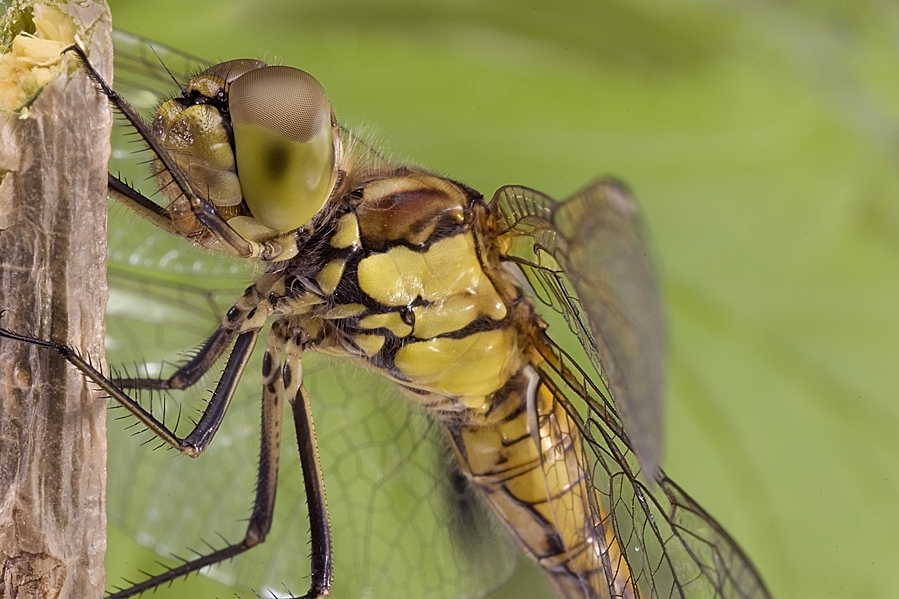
(53, 162)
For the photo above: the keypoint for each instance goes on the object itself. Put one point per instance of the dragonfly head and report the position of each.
(261, 142)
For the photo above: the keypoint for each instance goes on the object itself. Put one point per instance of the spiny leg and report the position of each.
(319, 524)
(144, 207)
(278, 380)
(249, 312)
(189, 373)
(260, 520)
(193, 444)
(241, 326)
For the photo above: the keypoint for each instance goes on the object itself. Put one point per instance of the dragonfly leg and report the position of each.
(143, 206)
(248, 313)
(191, 372)
(278, 381)
(193, 444)
(319, 525)
(260, 520)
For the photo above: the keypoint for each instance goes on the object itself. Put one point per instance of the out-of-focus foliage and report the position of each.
(762, 139)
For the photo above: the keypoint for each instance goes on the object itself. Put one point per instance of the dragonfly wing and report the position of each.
(587, 259)
(649, 540)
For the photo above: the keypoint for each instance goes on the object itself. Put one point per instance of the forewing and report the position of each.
(650, 540)
(587, 259)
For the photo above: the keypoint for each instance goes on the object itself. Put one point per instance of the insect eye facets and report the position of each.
(284, 143)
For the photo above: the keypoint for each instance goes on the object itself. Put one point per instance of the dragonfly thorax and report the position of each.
(402, 286)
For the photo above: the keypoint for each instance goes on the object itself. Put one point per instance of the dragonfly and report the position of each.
(486, 374)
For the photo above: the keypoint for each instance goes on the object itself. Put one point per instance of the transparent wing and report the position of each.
(650, 540)
(587, 259)
(404, 524)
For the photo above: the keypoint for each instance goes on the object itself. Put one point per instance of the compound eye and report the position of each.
(284, 144)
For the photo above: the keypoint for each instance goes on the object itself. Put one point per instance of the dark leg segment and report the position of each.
(209, 423)
(147, 209)
(260, 520)
(190, 373)
(319, 525)
(250, 312)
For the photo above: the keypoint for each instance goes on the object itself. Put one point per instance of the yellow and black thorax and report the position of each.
(399, 277)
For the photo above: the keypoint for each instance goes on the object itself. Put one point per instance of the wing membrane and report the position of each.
(654, 540)
(586, 258)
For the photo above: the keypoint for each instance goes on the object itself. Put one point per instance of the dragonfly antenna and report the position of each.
(162, 62)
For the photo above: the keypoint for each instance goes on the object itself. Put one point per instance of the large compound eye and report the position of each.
(284, 144)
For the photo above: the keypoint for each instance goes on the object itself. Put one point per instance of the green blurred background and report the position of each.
(762, 140)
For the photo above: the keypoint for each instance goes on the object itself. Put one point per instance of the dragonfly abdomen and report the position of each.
(526, 459)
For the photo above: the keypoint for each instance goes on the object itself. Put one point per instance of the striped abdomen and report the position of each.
(526, 457)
